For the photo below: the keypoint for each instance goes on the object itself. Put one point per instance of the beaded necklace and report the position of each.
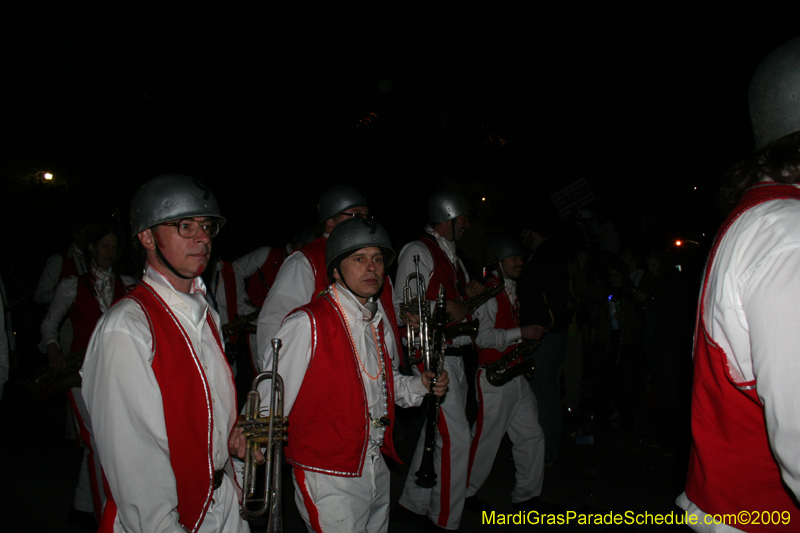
(384, 420)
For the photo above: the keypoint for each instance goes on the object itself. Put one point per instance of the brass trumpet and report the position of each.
(270, 432)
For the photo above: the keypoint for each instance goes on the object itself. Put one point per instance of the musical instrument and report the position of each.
(471, 304)
(46, 381)
(268, 431)
(434, 361)
(502, 371)
(241, 324)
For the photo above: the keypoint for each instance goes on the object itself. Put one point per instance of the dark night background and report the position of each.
(267, 104)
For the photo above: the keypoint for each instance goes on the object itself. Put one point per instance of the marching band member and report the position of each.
(745, 424)
(258, 270)
(511, 407)
(158, 388)
(438, 264)
(85, 298)
(303, 275)
(338, 363)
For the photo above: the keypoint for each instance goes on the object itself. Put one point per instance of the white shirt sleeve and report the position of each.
(46, 287)
(64, 296)
(125, 404)
(295, 356)
(490, 337)
(770, 302)
(293, 287)
(248, 264)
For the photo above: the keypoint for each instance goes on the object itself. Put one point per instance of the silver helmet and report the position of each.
(502, 247)
(446, 204)
(355, 234)
(775, 94)
(171, 197)
(336, 199)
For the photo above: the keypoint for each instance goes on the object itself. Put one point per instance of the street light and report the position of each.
(43, 176)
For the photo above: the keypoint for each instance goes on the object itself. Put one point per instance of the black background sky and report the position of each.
(268, 103)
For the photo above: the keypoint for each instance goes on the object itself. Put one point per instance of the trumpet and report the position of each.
(268, 431)
(417, 341)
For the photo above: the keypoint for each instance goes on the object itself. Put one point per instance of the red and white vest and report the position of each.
(329, 421)
(260, 283)
(507, 318)
(86, 311)
(187, 409)
(731, 468)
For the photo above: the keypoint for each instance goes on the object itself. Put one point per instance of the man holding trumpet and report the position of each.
(338, 364)
(158, 388)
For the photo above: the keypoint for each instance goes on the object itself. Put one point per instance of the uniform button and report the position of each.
(205, 366)
(213, 400)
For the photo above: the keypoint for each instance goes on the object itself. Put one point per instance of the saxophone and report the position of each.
(241, 324)
(46, 381)
(502, 371)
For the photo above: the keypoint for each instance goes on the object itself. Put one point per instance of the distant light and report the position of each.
(678, 267)
(678, 243)
(48, 176)
(695, 188)
(483, 199)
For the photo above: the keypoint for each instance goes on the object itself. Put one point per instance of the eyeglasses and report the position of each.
(188, 228)
(357, 215)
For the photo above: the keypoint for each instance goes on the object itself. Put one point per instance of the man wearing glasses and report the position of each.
(157, 386)
(304, 275)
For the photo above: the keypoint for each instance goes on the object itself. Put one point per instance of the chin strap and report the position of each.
(169, 266)
(370, 306)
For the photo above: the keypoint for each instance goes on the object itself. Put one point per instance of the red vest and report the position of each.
(68, 267)
(330, 418)
(86, 311)
(731, 467)
(260, 283)
(187, 408)
(507, 318)
(444, 273)
(315, 253)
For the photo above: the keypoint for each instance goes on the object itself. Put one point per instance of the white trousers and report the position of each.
(512, 409)
(444, 503)
(336, 504)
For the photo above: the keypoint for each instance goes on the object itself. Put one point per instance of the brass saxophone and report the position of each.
(501, 371)
(241, 324)
(46, 381)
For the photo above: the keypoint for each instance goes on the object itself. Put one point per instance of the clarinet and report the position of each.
(426, 476)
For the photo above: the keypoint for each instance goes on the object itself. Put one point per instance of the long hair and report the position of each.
(779, 161)
(95, 234)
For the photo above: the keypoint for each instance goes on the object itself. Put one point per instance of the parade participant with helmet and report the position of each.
(303, 275)
(448, 216)
(84, 298)
(159, 391)
(745, 423)
(511, 407)
(340, 385)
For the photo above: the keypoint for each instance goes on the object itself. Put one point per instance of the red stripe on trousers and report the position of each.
(444, 513)
(311, 509)
(86, 438)
(478, 426)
